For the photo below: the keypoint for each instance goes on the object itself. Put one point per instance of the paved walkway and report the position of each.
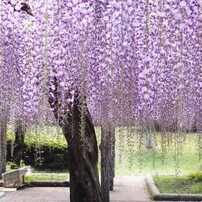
(129, 189)
(126, 189)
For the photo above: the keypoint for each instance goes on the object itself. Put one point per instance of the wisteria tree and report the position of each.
(114, 63)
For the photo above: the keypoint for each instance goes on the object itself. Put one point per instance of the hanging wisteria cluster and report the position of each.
(137, 62)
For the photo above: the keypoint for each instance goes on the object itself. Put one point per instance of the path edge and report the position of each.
(45, 183)
(2, 194)
(157, 196)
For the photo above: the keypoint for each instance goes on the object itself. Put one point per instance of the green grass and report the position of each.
(180, 184)
(132, 156)
(47, 177)
(49, 171)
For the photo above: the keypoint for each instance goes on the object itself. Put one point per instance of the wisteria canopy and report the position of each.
(131, 62)
(134, 61)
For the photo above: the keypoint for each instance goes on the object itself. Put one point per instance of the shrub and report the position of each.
(196, 176)
(44, 149)
(51, 158)
(12, 166)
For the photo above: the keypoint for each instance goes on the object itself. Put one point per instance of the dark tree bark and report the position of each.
(107, 154)
(23, 7)
(84, 182)
(19, 142)
(112, 159)
(107, 161)
(3, 130)
(79, 132)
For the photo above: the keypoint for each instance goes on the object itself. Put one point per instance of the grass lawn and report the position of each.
(165, 158)
(47, 177)
(181, 184)
(132, 156)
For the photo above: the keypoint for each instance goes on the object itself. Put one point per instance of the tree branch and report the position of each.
(24, 7)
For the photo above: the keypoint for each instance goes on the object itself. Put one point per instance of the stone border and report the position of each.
(45, 183)
(49, 183)
(2, 194)
(157, 196)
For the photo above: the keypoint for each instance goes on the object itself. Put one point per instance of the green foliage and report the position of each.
(196, 176)
(45, 147)
(12, 166)
(196, 188)
(50, 157)
(180, 184)
(136, 158)
(50, 136)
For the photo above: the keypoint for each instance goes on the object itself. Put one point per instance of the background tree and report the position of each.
(18, 149)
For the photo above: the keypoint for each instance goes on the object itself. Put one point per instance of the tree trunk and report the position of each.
(107, 161)
(76, 123)
(83, 152)
(0, 158)
(3, 130)
(112, 159)
(149, 140)
(106, 180)
(148, 135)
(19, 142)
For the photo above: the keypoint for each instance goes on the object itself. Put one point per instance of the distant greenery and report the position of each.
(132, 155)
(12, 166)
(134, 158)
(190, 184)
(45, 147)
(197, 177)
(51, 136)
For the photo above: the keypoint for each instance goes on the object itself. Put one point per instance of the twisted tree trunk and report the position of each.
(79, 132)
(83, 152)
